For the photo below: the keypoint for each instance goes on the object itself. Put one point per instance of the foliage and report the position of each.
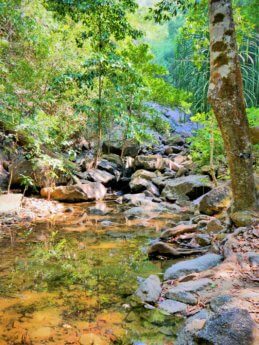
(200, 143)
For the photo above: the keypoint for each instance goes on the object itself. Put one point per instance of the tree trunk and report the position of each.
(227, 100)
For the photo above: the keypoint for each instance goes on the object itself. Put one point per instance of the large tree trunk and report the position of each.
(227, 100)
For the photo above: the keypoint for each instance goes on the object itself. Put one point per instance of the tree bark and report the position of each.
(227, 100)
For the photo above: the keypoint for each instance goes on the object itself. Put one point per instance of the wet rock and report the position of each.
(150, 162)
(229, 327)
(219, 302)
(203, 240)
(184, 297)
(190, 286)
(216, 201)
(150, 289)
(173, 307)
(99, 209)
(81, 192)
(148, 211)
(199, 264)
(186, 188)
(139, 199)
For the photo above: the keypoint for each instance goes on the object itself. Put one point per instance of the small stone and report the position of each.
(184, 297)
(150, 289)
(203, 240)
(173, 307)
(219, 302)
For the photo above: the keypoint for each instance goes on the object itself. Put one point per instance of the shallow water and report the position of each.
(70, 279)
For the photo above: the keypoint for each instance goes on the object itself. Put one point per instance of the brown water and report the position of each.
(69, 280)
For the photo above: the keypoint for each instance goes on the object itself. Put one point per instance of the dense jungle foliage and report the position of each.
(88, 68)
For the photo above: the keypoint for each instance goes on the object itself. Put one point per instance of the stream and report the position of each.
(70, 280)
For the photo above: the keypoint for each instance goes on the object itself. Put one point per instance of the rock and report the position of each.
(243, 218)
(151, 162)
(36, 170)
(216, 201)
(150, 289)
(173, 307)
(141, 180)
(80, 192)
(161, 248)
(219, 302)
(190, 286)
(253, 258)
(101, 176)
(110, 167)
(193, 324)
(113, 158)
(186, 188)
(100, 209)
(10, 203)
(175, 139)
(179, 229)
(169, 164)
(229, 327)
(149, 211)
(214, 226)
(199, 264)
(184, 297)
(106, 223)
(139, 199)
(161, 181)
(203, 240)
(130, 148)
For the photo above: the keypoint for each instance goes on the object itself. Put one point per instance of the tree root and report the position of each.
(161, 248)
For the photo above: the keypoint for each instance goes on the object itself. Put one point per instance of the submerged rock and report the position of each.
(199, 264)
(150, 289)
(88, 191)
(186, 188)
(229, 327)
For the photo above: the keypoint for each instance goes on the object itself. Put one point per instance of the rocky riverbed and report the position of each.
(211, 284)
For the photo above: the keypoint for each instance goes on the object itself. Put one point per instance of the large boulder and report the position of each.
(130, 148)
(139, 199)
(229, 327)
(110, 167)
(113, 158)
(141, 180)
(199, 264)
(151, 162)
(102, 176)
(216, 201)
(37, 170)
(150, 289)
(186, 188)
(81, 192)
